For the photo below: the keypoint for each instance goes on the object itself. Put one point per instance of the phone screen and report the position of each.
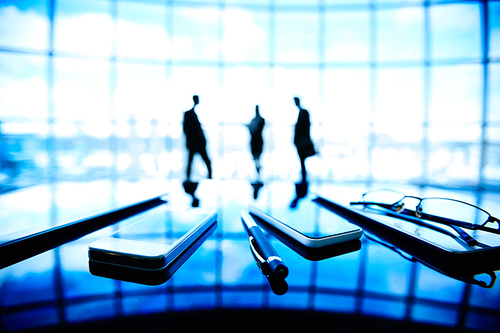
(310, 219)
(162, 225)
(152, 235)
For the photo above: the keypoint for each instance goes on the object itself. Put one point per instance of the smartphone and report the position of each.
(309, 224)
(150, 277)
(309, 253)
(155, 240)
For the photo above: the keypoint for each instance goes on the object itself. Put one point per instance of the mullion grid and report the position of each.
(374, 64)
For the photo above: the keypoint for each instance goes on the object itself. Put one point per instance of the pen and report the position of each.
(265, 255)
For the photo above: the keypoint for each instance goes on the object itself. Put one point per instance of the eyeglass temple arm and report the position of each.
(471, 241)
(436, 218)
(492, 219)
(367, 203)
(408, 216)
(462, 224)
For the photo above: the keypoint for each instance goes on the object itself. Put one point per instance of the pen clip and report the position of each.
(261, 262)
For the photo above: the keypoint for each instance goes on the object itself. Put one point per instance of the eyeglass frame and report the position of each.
(399, 207)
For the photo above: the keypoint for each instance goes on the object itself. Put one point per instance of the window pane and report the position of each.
(141, 31)
(81, 89)
(494, 22)
(83, 27)
(246, 2)
(456, 94)
(346, 106)
(24, 159)
(245, 35)
(141, 90)
(245, 87)
(203, 1)
(296, 2)
(83, 149)
(449, 165)
(493, 104)
(493, 93)
(463, 133)
(195, 33)
(347, 36)
(236, 160)
(397, 163)
(399, 105)
(288, 83)
(400, 34)
(23, 87)
(24, 25)
(187, 81)
(400, 1)
(455, 31)
(491, 172)
(455, 110)
(346, 2)
(296, 37)
(344, 161)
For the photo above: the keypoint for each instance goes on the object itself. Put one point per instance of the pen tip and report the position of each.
(281, 272)
(278, 286)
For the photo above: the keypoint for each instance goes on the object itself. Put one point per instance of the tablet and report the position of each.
(440, 251)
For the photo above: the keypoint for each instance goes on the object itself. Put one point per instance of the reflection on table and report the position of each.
(371, 283)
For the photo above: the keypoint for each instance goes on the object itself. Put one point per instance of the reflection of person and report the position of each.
(302, 139)
(190, 188)
(301, 190)
(256, 142)
(195, 139)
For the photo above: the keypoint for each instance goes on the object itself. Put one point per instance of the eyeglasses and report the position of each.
(451, 212)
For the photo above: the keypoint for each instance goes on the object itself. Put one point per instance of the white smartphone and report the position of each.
(155, 240)
(309, 224)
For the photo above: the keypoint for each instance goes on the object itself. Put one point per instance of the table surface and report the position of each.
(372, 284)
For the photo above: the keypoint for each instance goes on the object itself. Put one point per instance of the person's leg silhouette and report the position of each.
(205, 158)
(190, 161)
(303, 168)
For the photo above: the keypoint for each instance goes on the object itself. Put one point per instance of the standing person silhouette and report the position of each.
(256, 142)
(302, 138)
(195, 139)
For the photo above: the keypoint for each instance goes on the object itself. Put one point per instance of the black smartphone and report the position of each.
(151, 277)
(155, 240)
(310, 253)
(309, 224)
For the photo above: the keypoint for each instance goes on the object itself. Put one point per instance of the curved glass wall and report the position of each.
(398, 91)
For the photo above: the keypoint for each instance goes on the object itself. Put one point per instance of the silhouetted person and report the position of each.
(302, 138)
(256, 142)
(195, 139)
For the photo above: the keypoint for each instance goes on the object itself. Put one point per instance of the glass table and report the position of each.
(219, 285)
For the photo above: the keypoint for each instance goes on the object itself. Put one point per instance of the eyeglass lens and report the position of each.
(455, 210)
(439, 207)
(383, 196)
